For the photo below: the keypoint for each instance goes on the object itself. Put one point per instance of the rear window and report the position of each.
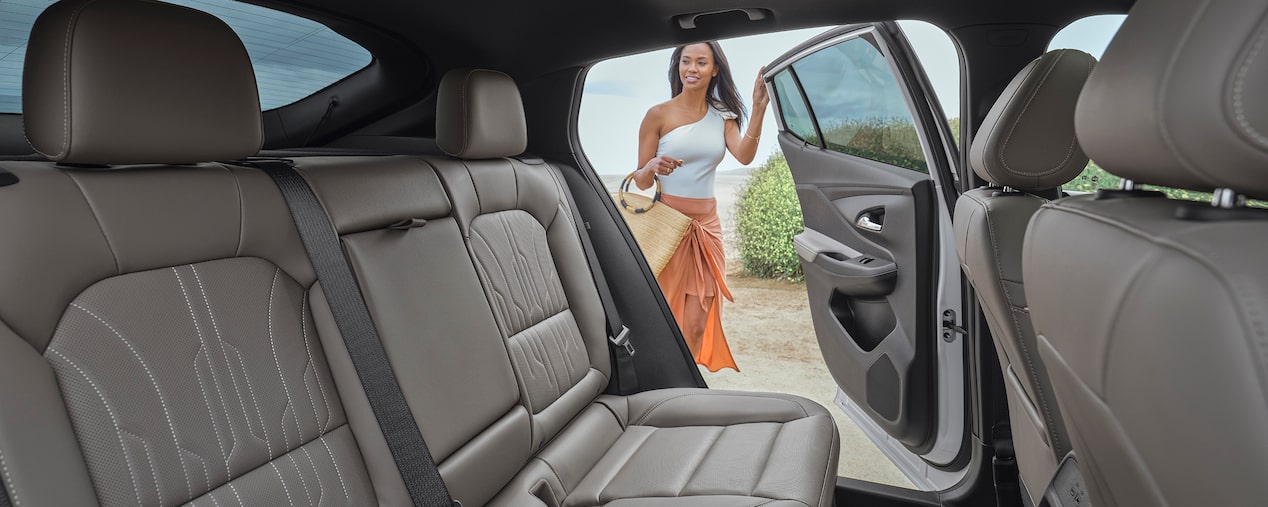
(293, 56)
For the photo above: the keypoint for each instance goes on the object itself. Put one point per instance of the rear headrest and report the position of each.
(480, 115)
(1027, 139)
(1179, 100)
(138, 82)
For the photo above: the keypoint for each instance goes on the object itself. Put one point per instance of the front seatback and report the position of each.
(1150, 312)
(1026, 148)
(157, 345)
(519, 229)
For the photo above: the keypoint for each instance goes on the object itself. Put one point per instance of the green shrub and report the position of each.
(767, 216)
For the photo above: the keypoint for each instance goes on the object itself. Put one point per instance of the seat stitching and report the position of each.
(152, 462)
(299, 433)
(202, 349)
(234, 489)
(242, 365)
(321, 487)
(203, 461)
(212, 496)
(1022, 114)
(285, 489)
(625, 463)
(649, 411)
(70, 29)
(1239, 87)
(237, 392)
(303, 326)
(335, 462)
(8, 480)
(113, 419)
(1021, 341)
(302, 483)
(1161, 97)
(162, 402)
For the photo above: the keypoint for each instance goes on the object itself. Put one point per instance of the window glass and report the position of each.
(859, 106)
(1091, 34)
(793, 108)
(293, 56)
(941, 62)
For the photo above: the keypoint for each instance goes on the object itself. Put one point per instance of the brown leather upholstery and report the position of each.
(1026, 143)
(138, 82)
(1151, 323)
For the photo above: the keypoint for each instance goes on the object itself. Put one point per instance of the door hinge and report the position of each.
(951, 327)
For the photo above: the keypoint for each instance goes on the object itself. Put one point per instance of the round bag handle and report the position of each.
(625, 187)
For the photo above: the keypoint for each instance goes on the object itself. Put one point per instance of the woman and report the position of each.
(682, 141)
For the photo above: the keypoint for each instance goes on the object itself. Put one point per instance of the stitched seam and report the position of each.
(127, 458)
(234, 489)
(70, 29)
(299, 433)
(770, 450)
(202, 348)
(283, 481)
(158, 489)
(335, 462)
(1022, 114)
(158, 392)
(232, 378)
(316, 373)
(1021, 341)
(300, 473)
(8, 481)
(1239, 88)
(321, 487)
(649, 411)
(118, 267)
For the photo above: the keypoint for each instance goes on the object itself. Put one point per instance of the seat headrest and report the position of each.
(138, 82)
(1178, 99)
(1027, 139)
(479, 114)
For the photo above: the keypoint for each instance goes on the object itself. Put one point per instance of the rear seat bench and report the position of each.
(164, 340)
(540, 325)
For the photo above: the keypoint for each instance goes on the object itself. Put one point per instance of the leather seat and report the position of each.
(1027, 149)
(1150, 312)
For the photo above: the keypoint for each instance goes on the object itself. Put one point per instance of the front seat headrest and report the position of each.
(138, 82)
(1027, 139)
(1178, 99)
(479, 114)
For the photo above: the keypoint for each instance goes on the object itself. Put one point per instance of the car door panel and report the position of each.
(871, 212)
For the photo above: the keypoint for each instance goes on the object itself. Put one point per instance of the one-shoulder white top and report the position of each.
(701, 146)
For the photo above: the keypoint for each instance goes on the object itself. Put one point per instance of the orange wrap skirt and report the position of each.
(696, 273)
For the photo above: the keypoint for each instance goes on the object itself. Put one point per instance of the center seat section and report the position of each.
(663, 447)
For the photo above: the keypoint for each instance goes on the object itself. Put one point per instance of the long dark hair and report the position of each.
(722, 93)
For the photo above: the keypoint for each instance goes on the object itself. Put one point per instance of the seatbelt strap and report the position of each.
(422, 479)
(618, 334)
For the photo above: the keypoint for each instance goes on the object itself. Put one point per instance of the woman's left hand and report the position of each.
(760, 97)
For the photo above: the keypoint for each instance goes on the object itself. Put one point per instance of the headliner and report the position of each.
(529, 39)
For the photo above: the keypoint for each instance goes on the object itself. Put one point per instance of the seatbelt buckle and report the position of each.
(622, 339)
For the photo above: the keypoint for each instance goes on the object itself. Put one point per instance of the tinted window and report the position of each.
(859, 106)
(792, 107)
(293, 56)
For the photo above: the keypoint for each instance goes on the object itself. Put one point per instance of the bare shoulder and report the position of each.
(655, 117)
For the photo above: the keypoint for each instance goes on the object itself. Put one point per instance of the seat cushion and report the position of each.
(695, 447)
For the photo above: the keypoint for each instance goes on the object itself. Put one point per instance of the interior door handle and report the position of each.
(866, 223)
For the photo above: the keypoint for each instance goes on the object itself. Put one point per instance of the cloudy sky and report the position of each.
(618, 92)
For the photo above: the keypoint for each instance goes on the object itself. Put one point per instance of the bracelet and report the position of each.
(751, 137)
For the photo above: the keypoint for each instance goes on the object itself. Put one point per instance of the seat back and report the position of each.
(158, 344)
(1150, 311)
(1026, 148)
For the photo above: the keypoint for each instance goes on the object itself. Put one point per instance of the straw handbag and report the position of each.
(658, 229)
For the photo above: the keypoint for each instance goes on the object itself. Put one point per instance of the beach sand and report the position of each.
(772, 339)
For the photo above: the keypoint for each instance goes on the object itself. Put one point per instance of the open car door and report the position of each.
(872, 157)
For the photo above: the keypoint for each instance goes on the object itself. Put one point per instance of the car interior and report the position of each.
(407, 285)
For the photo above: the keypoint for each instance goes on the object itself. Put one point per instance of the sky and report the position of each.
(618, 92)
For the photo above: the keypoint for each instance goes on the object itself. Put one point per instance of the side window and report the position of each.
(792, 107)
(858, 104)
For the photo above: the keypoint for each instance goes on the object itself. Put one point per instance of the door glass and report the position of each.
(859, 105)
(792, 107)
